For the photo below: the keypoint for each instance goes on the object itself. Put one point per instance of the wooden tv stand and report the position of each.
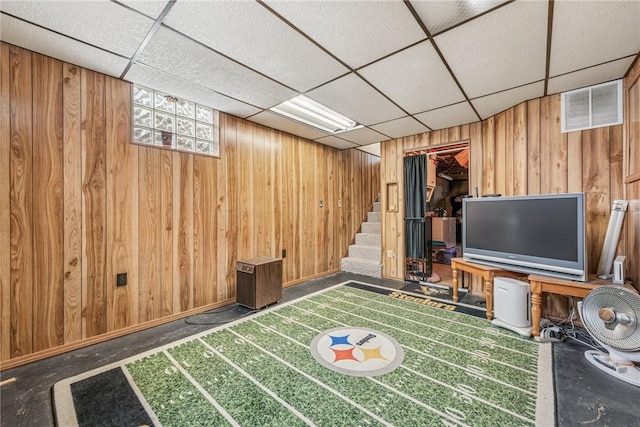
(570, 288)
(487, 273)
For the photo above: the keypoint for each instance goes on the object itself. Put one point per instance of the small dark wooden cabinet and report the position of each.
(259, 282)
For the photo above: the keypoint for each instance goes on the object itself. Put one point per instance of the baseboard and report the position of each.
(306, 279)
(40, 355)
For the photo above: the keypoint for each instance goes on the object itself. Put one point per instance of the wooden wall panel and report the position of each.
(574, 157)
(308, 207)
(533, 146)
(616, 178)
(488, 157)
(93, 204)
(122, 208)
(509, 162)
(5, 202)
(231, 196)
(245, 207)
(176, 223)
(595, 184)
(166, 243)
(72, 258)
(500, 168)
(149, 234)
(183, 232)
(48, 306)
(475, 158)
(208, 208)
(259, 193)
(21, 176)
(519, 175)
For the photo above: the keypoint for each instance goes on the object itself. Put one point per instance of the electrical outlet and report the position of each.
(121, 279)
(284, 253)
(339, 203)
(321, 203)
(389, 253)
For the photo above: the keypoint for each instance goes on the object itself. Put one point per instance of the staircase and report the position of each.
(365, 256)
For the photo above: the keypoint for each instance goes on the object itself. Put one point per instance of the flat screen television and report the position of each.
(536, 234)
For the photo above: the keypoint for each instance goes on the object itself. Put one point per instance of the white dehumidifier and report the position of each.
(512, 307)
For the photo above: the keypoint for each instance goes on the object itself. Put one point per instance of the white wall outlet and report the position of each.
(389, 253)
(339, 203)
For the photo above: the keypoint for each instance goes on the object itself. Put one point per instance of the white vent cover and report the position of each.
(592, 107)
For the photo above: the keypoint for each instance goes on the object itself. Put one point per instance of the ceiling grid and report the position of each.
(397, 67)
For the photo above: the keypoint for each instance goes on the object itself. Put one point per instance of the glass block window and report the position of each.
(163, 121)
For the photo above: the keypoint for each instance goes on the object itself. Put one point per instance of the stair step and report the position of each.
(374, 216)
(376, 207)
(361, 266)
(368, 239)
(372, 227)
(373, 253)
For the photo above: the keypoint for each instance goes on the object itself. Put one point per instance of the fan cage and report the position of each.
(625, 337)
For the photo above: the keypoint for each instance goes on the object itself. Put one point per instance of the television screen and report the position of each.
(542, 234)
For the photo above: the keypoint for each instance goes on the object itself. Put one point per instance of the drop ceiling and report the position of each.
(396, 67)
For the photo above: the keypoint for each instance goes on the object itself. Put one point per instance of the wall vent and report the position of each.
(592, 107)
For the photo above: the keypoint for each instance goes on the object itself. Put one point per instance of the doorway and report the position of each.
(447, 184)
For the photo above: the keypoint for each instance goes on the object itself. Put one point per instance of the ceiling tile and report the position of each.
(401, 127)
(20, 33)
(453, 115)
(589, 76)
(335, 142)
(587, 33)
(440, 15)
(101, 23)
(500, 50)
(363, 136)
(357, 32)
(276, 121)
(255, 37)
(371, 149)
(490, 105)
(172, 85)
(353, 97)
(416, 79)
(151, 8)
(180, 56)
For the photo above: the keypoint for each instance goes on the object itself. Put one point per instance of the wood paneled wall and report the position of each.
(79, 203)
(520, 151)
(632, 173)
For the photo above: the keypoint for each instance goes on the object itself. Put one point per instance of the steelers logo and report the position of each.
(360, 352)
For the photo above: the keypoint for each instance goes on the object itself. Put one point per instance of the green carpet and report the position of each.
(353, 354)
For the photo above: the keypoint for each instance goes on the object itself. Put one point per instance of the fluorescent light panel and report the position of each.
(314, 114)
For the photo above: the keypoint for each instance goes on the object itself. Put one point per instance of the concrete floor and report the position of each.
(585, 396)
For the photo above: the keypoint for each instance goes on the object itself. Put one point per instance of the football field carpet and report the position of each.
(350, 355)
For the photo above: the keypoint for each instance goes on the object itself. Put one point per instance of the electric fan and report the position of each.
(611, 315)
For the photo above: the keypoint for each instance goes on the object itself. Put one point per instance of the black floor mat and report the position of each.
(95, 412)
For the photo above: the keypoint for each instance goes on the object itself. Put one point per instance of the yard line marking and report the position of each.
(455, 348)
(412, 399)
(471, 396)
(315, 380)
(140, 396)
(474, 397)
(201, 389)
(418, 323)
(428, 315)
(297, 413)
